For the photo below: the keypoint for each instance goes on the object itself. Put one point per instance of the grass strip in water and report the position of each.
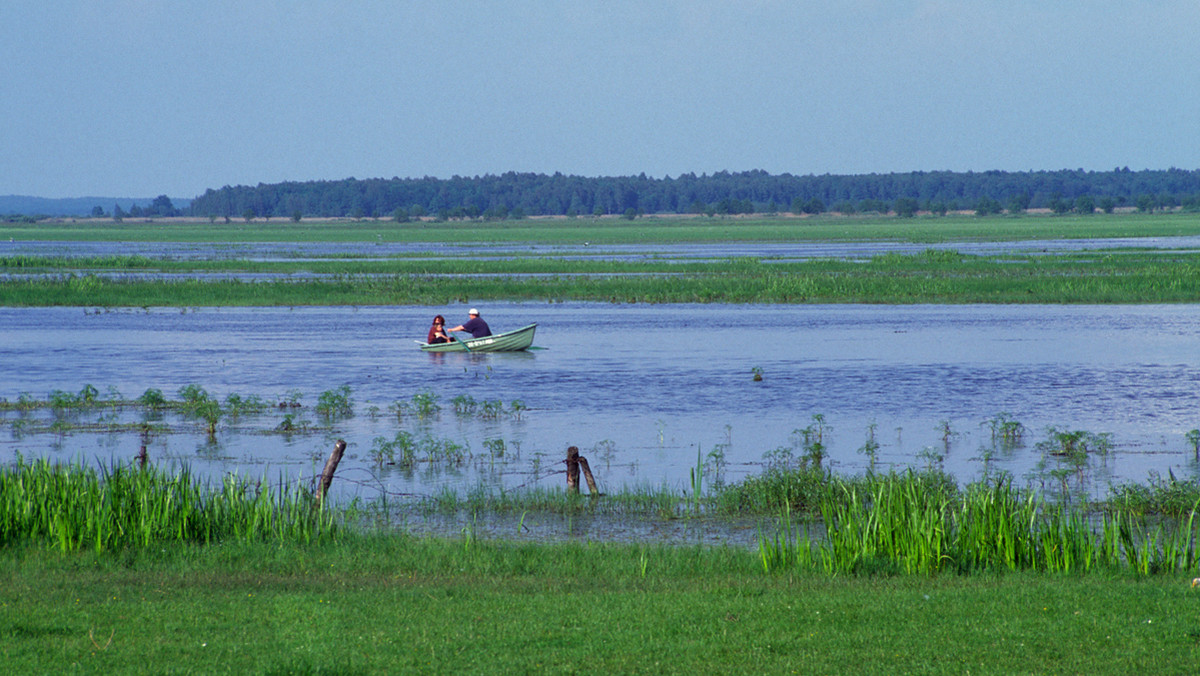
(930, 277)
(659, 229)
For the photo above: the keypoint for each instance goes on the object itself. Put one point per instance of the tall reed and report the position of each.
(903, 523)
(74, 508)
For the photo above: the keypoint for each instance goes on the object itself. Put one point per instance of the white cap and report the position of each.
(472, 311)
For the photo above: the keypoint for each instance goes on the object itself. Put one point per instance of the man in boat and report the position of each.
(474, 326)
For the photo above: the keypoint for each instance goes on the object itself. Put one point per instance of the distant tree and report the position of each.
(416, 211)
(135, 211)
(249, 214)
(986, 206)
(97, 211)
(598, 211)
(814, 206)
(400, 215)
(1146, 203)
(938, 208)
(296, 216)
(844, 207)
(1018, 203)
(906, 207)
(162, 206)
(1108, 204)
(873, 206)
(630, 214)
(1085, 204)
(118, 213)
(1058, 205)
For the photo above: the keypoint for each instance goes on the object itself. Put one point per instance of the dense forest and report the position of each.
(515, 195)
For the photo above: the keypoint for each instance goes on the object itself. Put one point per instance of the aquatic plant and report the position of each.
(870, 448)
(495, 447)
(335, 403)
(425, 404)
(237, 405)
(1006, 431)
(153, 399)
(464, 404)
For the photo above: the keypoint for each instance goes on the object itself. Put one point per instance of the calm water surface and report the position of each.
(640, 389)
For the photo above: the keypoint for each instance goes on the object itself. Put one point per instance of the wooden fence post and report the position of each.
(330, 467)
(575, 462)
(573, 469)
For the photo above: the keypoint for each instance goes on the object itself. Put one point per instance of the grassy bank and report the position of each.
(381, 601)
(398, 604)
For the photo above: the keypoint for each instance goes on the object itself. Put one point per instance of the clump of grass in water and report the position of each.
(336, 403)
(1193, 438)
(197, 402)
(1006, 431)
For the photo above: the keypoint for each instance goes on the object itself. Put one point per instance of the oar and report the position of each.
(465, 346)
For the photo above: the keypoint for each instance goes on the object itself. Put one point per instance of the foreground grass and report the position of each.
(391, 603)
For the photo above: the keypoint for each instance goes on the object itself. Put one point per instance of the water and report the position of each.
(311, 251)
(640, 389)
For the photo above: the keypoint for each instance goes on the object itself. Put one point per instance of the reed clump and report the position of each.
(907, 524)
(73, 508)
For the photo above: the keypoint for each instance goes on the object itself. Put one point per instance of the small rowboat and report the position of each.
(513, 341)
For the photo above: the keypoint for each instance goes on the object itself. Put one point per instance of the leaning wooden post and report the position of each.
(575, 462)
(330, 467)
(573, 469)
(587, 474)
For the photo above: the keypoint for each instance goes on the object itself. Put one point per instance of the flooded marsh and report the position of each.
(643, 391)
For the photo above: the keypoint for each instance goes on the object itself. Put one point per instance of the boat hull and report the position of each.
(512, 341)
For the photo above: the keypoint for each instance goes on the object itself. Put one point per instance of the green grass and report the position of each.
(71, 508)
(1128, 276)
(396, 604)
(378, 600)
(931, 277)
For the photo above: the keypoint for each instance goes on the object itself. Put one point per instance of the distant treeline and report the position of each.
(36, 208)
(515, 195)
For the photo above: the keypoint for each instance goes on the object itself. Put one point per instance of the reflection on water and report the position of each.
(640, 389)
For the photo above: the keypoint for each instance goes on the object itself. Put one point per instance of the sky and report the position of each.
(137, 98)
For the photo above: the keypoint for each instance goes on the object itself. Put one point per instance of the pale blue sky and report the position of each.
(135, 98)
